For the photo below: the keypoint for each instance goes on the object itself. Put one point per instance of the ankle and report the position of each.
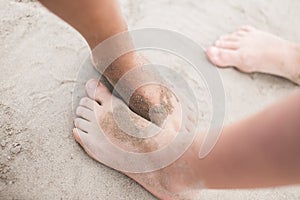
(122, 65)
(94, 36)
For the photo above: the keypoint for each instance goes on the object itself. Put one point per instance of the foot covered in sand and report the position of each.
(151, 101)
(252, 50)
(174, 181)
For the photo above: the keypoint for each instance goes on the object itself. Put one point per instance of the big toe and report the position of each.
(97, 91)
(223, 57)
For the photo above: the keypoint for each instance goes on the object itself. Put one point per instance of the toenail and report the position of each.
(83, 101)
(215, 52)
(78, 112)
(92, 84)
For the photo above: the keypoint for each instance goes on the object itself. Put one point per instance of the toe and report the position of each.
(223, 57)
(88, 103)
(240, 33)
(227, 44)
(97, 91)
(231, 38)
(82, 124)
(85, 113)
(247, 28)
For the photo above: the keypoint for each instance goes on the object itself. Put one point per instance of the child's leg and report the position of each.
(97, 20)
(263, 150)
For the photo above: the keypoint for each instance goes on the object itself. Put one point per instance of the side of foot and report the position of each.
(175, 181)
(251, 50)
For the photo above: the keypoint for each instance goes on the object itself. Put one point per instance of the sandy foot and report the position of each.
(148, 101)
(171, 182)
(252, 50)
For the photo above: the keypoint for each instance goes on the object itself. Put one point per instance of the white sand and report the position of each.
(40, 57)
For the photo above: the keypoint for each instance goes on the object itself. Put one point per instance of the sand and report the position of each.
(40, 59)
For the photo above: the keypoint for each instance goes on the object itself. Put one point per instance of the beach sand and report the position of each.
(40, 59)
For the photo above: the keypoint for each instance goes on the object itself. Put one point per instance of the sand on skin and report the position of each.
(40, 57)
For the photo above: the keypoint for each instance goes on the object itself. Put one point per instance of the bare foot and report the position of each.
(175, 181)
(252, 50)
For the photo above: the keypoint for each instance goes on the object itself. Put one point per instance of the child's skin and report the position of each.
(97, 20)
(252, 50)
(260, 151)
